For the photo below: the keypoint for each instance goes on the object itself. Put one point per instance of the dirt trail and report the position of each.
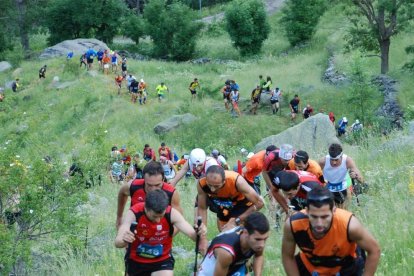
(272, 6)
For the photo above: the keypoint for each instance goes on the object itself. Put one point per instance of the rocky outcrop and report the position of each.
(313, 135)
(4, 65)
(78, 46)
(135, 56)
(332, 76)
(174, 122)
(390, 109)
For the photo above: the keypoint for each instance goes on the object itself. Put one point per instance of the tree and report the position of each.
(133, 27)
(300, 18)
(375, 22)
(247, 25)
(172, 28)
(69, 19)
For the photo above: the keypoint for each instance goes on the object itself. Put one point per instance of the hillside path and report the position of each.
(271, 6)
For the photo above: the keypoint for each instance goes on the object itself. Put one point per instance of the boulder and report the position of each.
(332, 76)
(78, 46)
(63, 85)
(313, 135)
(17, 73)
(4, 65)
(174, 122)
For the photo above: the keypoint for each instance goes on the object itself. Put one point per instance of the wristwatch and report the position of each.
(237, 221)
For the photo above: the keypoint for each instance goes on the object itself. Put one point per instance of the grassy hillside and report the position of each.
(88, 117)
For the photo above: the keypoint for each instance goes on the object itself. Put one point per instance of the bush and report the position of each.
(247, 25)
(300, 18)
(173, 29)
(133, 27)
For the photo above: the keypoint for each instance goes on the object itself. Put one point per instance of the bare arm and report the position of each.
(258, 263)
(280, 199)
(180, 174)
(322, 162)
(202, 211)
(178, 221)
(354, 172)
(125, 236)
(367, 242)
(122, 200)
(223, 261)
(175, 202)
(251, 195)
(288, 251)
(172, 166)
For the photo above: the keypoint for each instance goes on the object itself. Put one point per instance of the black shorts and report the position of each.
(274, 101)
(226, 215)
(193, 92)
(226, 97)
(340, 197)
(90, 60)
(100, 58)
(142, 269)
(210, 204)
(256, 100)
(295, 110)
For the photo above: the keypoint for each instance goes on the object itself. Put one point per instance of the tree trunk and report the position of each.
(385, 50)
(24, 36)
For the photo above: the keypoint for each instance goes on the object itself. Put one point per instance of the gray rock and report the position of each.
(17, 73)
(55, 79)
(174, 122)
(332, 76)
(390, 109)
(4, 65)
(135, 56)
(411, 128)
(8, 84)
(313, 135)
(78, 46)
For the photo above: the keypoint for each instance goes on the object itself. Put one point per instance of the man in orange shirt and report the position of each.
(301, 162)
(234, 197)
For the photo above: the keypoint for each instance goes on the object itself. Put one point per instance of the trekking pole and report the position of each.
(132, 228)
(353, 188)
(199, 220)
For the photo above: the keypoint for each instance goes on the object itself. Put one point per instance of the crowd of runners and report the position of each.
(311, 196)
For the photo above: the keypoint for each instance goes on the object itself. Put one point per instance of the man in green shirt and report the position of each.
(161, 88)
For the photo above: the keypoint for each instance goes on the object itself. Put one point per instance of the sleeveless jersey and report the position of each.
(273, 162)
(228, 196)
(153, 240)
(328, 254)
(169, 173)
(138, 194)
(336, 177)
(229, 241)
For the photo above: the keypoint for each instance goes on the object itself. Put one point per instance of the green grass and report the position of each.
(89, 118)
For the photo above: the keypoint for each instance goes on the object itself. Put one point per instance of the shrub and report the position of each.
(247, 25)
(300, 18)
(173, 29)
(133, 27)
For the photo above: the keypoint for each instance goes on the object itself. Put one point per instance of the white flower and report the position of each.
(12, 164)
(17, 156)
(106, 131)
(24, 113)
(31, 211)
(65, 163)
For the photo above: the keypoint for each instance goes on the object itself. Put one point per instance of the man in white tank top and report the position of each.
(335, 167)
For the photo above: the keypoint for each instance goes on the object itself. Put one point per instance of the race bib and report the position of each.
(149, 251)
(336, 187)
(228, 204)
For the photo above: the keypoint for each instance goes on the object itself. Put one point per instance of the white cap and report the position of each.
(286, 152)
(356, 121)
(345, 120)
(142, 80)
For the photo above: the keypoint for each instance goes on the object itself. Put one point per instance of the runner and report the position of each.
(301, 162)
(129, 80)
(342, 124)
(255, 97)
(82, 60)
(149, 154)
(220, 159)
(169, 168)
(42, 72)
(331, 240)
(198, 163)
(294, 105)
(90, 54)
(194, 85)
(161, 89)
(262, 82)
(118, 82)
(124, 67)
(138, 189)
(99, 56)
(274, 99)
(226, 90)
(268, 85)
(117, 170)
(233, 197)
(229, 252)
(234, 96)
(142, 92)
(307, 111)
(335, 167)
(106, 60)
(150, 244)
(134, 88)
(114, 62)
(295, 186)
(15, 85)
(139, 165)
(165, 151)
